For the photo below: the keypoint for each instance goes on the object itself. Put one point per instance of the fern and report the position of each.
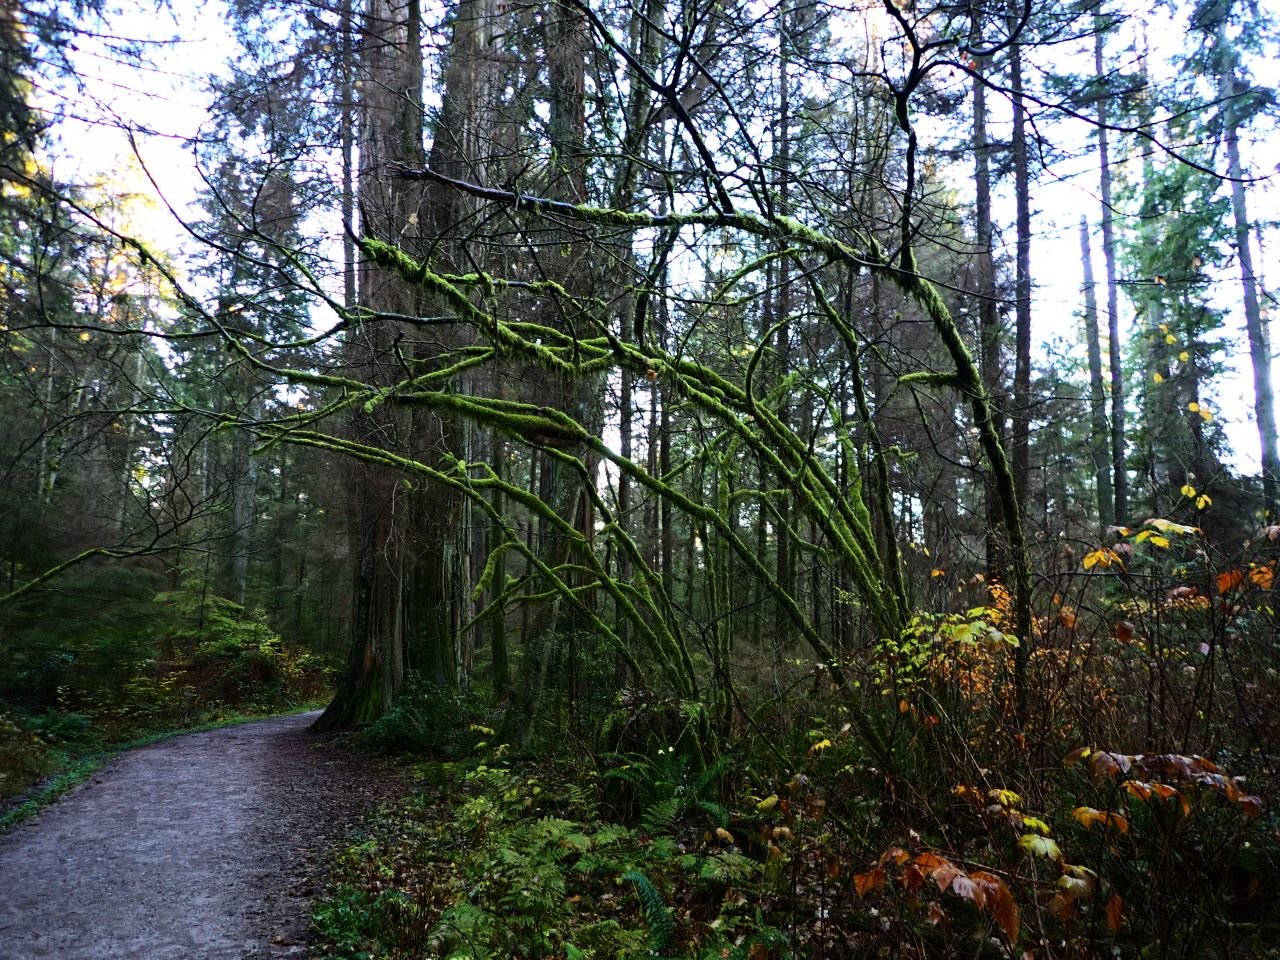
(717, 812)
(662, 926)
(711, 776)
(725, 867)
(659, 816)
(766, 937)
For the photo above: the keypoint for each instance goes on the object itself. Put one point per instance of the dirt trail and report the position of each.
(203, 847)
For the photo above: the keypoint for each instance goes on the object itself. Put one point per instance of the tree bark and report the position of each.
(1120, 476)
(1099, 437)
(1259, 348)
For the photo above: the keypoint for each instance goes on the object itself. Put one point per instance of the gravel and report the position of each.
(203, 847)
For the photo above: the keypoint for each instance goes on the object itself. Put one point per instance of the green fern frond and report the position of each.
(659, 816)
(715, 772)
(718, 813)
(768, 937)
(662, 926)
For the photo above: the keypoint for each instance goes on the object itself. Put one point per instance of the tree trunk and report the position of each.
(1259, 349)
(1120, 482)
(1099, 439)
(989, 328)
(1021, 419)
(390, 133)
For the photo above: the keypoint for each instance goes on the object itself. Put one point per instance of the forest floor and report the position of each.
(208, 845)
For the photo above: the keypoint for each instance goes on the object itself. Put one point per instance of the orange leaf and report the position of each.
(896, 854)
(1115, 912)
(976, 893)
(864, 883)
(1087, 817)
(944, 874)
(912, 878)
(1250, 805)
(1230, 580)
(1137, 789)
(936, 914)
(1067, 617)
(929, 861)
(1264, 576)
(1109, 764)
(1124, 631)
(1001, 904)
(1062, 908)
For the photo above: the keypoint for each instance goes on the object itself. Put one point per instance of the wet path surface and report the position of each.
(203, 847)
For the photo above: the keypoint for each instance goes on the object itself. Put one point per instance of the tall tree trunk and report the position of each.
(390, 133)
(1259, 349)
(989, 329)
(1021, 418)
(346, 94)
(1120, 475)
(576, 395)
(1099, 438)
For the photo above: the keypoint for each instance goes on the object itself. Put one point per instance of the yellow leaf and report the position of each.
(1088, 817)
(1168, 526)
(1159, 541)
(937, 572)
(1157, 377)
(768, 803)
(1074, 887)
(1193, 407)
(1102, 557)
(1006, 798)
(1184, 356)
(1164, 328)
(1075, 756)
(1188, 490)
(724, 834)
(1205, 414)
(1203, 501)
(1169, 338)
(85, 337)
(819, 747)
(1039, 846)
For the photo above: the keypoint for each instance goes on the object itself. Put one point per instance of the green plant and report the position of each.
(657, 916)
(431, 720)
(25, 757)
(665, 788)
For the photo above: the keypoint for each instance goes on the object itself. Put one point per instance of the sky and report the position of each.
(169, 100)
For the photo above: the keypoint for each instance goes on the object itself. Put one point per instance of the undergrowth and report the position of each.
(912, 813)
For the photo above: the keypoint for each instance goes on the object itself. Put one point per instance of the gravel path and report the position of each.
(202, 847)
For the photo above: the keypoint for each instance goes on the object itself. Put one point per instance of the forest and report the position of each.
(792, 478)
